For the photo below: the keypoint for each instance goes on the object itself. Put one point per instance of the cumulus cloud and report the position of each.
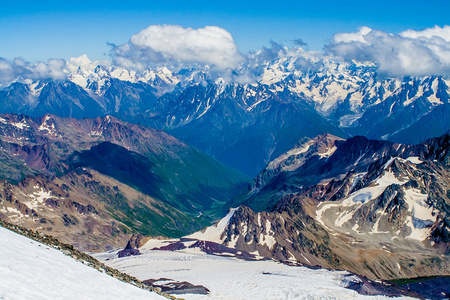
(19, 69)
(410, 53)
(178, 46)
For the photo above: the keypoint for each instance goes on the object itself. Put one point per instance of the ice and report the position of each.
(434, 88)
(343, 218)
(267, 237)
(293, 152)
(38, 198)
(273, 74)
(362, 197)
(50, 128)
(421, 218)
(349, 120)
(356, 179)
(14, 213)
(419, 234)
(417, 205)
(417, 96)
(389, 178)
(350, 204)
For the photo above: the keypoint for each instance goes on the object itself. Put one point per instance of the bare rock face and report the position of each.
(128, 251)
(173, 287)
(132, 246)
(136, 241)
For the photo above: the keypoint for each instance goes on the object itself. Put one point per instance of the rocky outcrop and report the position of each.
(132, 246)
(173, 287)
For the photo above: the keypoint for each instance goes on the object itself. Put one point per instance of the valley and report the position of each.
(293, 176)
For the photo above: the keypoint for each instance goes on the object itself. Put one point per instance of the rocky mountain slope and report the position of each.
(373, 207)
(91, 182)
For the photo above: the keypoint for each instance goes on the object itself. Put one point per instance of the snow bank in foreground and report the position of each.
(234, 279)
(31, 270)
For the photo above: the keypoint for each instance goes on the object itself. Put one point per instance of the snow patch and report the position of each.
(328, 153)
(45, 126)
(21, 125)
(293, 152)
(414, 160)
(213, 233)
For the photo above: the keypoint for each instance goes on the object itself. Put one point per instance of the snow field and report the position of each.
(235, 279)
(31, 270)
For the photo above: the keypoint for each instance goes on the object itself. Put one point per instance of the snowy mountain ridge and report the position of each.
(271, 101)
(325, 81)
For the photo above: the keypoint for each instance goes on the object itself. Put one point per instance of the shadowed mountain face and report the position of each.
(117, 162)
(373, 207)
(135, 178)
(240, 131)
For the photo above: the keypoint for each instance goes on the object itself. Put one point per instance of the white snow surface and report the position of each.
(421, 211)
(328, 152)
(414, 160)
(355, 200)
(21, 125)
(38, 197)
(49, 127)
(31, 270)
(293, 152)
(235, 279)
(213, 233)
(417, 206)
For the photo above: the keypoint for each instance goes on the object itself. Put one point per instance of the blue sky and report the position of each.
(57, 29)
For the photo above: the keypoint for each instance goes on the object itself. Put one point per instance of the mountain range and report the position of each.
(254, 115)
(350, 169)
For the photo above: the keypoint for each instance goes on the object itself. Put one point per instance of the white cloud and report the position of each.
(352, 36)
(429, 34)
(411, 52)
(175, 45)
(19, 70)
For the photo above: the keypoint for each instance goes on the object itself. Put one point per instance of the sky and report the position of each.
(40, 30)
